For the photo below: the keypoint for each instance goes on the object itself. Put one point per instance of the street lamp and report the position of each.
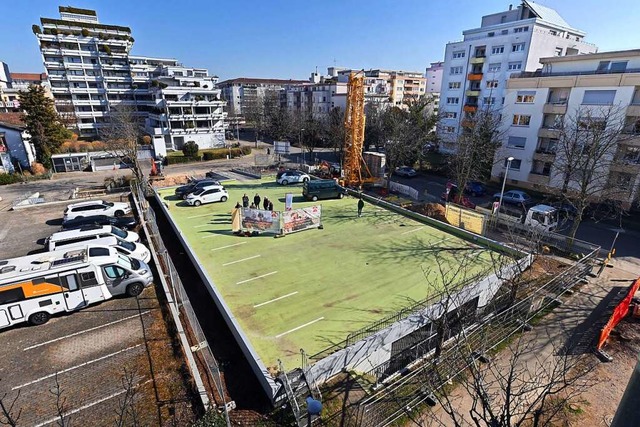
(504, 182)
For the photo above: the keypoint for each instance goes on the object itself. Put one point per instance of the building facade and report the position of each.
(542, 106)
(91, 72)
(15, 148)
(12, 83)
(477, 68)
(242, 92)
(389, 87)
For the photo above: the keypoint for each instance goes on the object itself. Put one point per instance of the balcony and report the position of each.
(544, 155)
(472, 93)
(470, 108)
(554, 108)
(474, 77)
(626, 166)
(630, 139)
(633, 110)
(466, 123)
(538, 178)
(549, 133)
(477, 60)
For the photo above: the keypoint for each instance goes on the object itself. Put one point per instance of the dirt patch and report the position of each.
(432, 210)
(171, 181)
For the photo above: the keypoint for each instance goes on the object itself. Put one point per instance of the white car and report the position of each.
(96, 207)
(210, 194)
(292, 177)
(132, 249)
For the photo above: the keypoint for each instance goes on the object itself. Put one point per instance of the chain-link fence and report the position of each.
(197, 341)
(391, 402)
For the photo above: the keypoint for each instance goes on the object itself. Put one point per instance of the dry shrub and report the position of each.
(38, 168)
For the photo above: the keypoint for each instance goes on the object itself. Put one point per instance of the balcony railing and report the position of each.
(474, 77)
(540, 73)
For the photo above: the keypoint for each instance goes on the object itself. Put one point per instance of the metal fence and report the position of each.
(495, 327)
(197, 341)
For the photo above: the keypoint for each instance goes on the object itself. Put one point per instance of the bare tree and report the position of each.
(335, 132)
(127, 411)
(121, 137)
(63, 420)
(476, 145)
(10, 413)
(586, 149)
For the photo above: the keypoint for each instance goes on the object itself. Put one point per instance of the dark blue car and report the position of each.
(475, 188)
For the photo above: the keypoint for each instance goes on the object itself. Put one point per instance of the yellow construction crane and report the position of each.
(354, 122)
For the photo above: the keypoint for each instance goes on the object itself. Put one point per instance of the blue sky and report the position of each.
(287, 39)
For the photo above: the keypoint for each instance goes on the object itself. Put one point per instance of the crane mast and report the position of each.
(354, 122)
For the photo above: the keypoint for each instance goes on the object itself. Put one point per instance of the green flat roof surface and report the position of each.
(312, 288)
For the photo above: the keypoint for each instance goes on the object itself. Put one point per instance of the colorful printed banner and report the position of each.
(260, 220)
(301, 219)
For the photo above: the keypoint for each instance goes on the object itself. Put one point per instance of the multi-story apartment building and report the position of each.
(243, 91)
(316, 98)
(91, 72)
(389, 87)
(567, 91)
(476, 69)
(434, 77)
(12, 83)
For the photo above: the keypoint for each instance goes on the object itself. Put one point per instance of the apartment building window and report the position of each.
(449, 129)
(492, 84)
(622, 181)
(496, 50)
(453, 101)
(494, 68)
(521, 30)
(450, 115)
(516, 142)
(598, 97)
(514, 66)
(456, 70)
(521, 120)
(515, 164)
(489, 100)
(631, 155)
(458, 54)
(558, 51)
(454, 85)
(517, 47)
(592, 124)
(612, 67)
(525, 97)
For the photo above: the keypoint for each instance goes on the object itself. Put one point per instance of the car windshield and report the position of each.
(118, 232)
(127, 245)
(109, 204)
(128, 263)
(197, 193)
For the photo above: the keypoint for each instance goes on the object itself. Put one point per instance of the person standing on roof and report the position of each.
(256, 200)
(245, 201)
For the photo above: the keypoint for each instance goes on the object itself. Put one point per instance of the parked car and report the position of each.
(86, 235)
(125, 222)
(210, 194)
(95, 207)
(452, 194)
(292, 177)
(406, 172)
(515, 197)
(475, 188)
(565, 209)
(193, 186)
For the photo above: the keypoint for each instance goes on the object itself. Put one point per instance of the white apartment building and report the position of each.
(388, 87)
(187, 106)
(566, 89)
(245, 91)
(434, 77)
(477, 68)
(12, 83)
(317, 99)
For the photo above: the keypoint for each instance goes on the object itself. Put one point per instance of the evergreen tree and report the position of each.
(43, 123)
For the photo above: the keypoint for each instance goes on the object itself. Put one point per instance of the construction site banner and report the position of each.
(464, 218)
(404, 189)
(260, 221)
(301, 219)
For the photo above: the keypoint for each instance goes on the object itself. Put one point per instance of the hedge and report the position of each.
(6, 178)
(181, 159)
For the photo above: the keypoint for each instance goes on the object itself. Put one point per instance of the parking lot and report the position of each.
(107, 363)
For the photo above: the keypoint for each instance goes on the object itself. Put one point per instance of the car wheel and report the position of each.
(340, 195)
(285, 182)
(223, 198)
(39, 318)
(184, 197)
(305, 179)
(118, 214)
(314, 198)
(197, 203)
(135, 289)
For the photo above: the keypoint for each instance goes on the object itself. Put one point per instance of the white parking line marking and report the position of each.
(228, 246)
(241, 260)
(275, 299)
(88, 405)
(76, 367)
(299, 327)
(255, 278)
(209, 236)
(85, 331)
(412, 231)
(199, 216)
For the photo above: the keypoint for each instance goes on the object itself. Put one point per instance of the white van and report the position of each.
(35, 287)
(131, 249)
(88, 233)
